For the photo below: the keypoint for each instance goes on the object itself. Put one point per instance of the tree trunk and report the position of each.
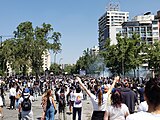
(134, 73)
(55, 57)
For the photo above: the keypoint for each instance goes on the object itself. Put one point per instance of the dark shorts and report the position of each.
(71, 103)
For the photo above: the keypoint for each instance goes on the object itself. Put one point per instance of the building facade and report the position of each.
(46, 60)
(94, 50)
(144, 25)
(110, 24)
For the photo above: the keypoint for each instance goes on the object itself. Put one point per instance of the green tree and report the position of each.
(87, 63)
(28, 46)
(68, 69)
(124, 56)
(40, 46)
(55, 68)
(56, 45)
(24, 35)
(153, 54)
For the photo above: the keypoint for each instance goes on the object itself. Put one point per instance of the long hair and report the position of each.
(152, 92)
(99, 94)
(48, 100)
(116, 98)
(49, 93)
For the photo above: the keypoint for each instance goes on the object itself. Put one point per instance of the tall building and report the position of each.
(46, 60)
(110, 24)
(94, 50)
(144, 25)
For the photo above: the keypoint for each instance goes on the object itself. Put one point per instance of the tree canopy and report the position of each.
(28, 46)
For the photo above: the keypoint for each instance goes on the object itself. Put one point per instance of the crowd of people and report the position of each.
(111, 98)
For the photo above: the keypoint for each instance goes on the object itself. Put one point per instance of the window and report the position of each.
(142, 29)
(136, 28)
(154, 22)
(155, 33)
(124, 29)
(143, 34)
(130, 29)
(155, 28)
(149, 34)
(149, 29)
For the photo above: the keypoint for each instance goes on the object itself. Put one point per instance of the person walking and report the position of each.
(62, 105)
(25, 106)
(50, 106)
(17, 97)
(152, 97)
(12, 95)
(99, 100)
(1, 107)
(77, 106)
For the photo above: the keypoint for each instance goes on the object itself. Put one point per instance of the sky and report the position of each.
(76, 20)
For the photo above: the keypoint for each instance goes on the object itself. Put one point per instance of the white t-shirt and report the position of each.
(1, 102)
(143, 116)
(72, 97)
(94, 101)
(143, 106)
(117, 113)
(12, 92)
(78, 100)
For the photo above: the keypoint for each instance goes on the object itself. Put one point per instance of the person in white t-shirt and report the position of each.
(152, 97)
(77, 105)
(1, 107)
(143, 106)
(117, 110)
(71, 101)
(99, 100)
(12, 94)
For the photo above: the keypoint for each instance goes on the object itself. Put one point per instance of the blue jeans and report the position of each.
(50, 113)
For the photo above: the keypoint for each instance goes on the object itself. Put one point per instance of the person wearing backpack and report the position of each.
(25, 106)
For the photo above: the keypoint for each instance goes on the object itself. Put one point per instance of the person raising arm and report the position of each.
(99, 100)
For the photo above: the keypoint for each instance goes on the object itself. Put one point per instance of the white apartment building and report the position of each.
(110, 24)
(144, 25)
(46, 60)
(94, 50)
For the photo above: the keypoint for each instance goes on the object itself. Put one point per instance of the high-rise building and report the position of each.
(110, 24)
(144, 25)
(46, 60)
(94, 50)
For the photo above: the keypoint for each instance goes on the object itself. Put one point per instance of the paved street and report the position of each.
(37, 110)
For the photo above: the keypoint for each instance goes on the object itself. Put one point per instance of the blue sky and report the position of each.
(76, 20)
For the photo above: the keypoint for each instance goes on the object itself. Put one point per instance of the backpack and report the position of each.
(62, 101)
(26, 104)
